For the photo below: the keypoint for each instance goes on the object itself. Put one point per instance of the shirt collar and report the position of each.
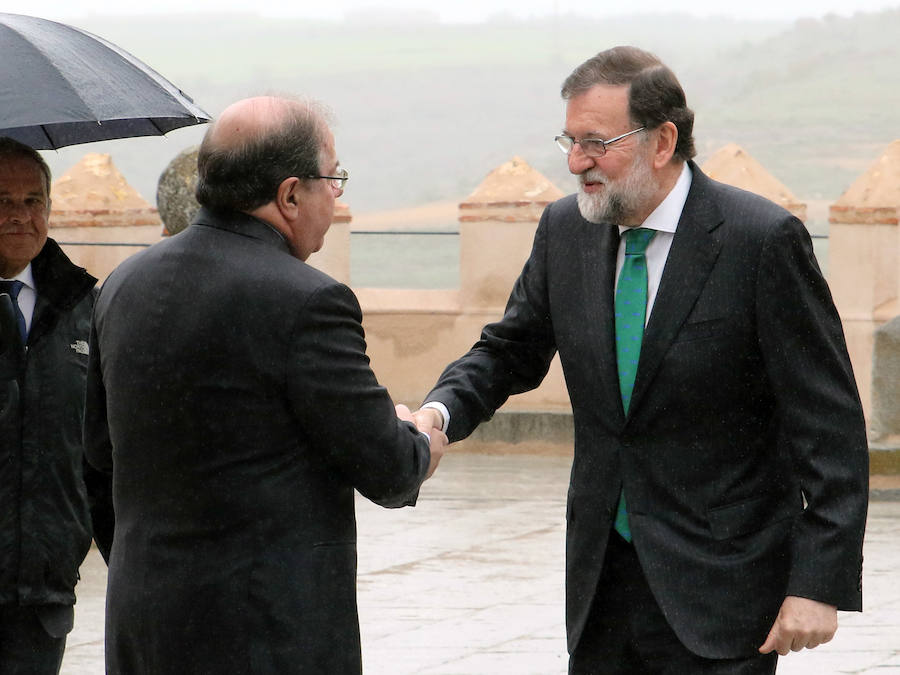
(665, 217)
(26, 276)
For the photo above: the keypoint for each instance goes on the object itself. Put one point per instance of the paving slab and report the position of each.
(470, 582)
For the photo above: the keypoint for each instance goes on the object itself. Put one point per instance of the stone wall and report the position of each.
(412, 334)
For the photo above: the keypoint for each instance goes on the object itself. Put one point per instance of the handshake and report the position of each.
(428, 421)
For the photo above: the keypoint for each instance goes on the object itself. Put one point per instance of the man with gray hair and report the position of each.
(719, 484)
(45, 528)
(231, 400)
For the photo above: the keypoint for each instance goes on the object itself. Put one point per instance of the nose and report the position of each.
(15, 212)
(580, 162)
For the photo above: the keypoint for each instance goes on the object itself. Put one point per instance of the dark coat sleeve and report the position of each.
(512, 355)
(806, 360)
(345, 413)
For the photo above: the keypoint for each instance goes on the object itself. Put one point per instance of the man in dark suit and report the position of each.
(45, 528)
(223, 372)
(719, 485)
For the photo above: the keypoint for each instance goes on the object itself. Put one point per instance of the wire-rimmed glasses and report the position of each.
(592, 147)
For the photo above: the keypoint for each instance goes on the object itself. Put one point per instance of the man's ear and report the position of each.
(666, 139)
(287, 197)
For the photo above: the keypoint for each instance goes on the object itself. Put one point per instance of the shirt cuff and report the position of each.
(442, 409)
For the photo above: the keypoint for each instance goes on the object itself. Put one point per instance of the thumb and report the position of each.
(403, 413)
(771, 642)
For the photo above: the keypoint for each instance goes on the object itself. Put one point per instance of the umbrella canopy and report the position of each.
(60, 86)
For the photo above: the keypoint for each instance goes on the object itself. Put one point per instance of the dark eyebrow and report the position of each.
(594, 135)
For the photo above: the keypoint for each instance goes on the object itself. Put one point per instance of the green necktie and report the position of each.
(631, 311)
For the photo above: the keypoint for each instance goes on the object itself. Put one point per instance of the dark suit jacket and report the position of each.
(230, 395)
(743, 455)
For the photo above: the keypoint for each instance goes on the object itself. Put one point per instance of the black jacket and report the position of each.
(45, 529)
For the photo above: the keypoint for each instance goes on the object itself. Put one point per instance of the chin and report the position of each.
(589, 209)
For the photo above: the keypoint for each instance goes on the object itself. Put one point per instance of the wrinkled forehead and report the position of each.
(603, 107)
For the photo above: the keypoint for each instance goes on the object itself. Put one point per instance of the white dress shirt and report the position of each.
(27, 296)
(664, 220)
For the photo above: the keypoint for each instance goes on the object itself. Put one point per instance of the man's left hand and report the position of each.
(801, 624)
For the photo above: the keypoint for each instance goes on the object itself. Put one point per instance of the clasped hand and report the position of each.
(428, 424)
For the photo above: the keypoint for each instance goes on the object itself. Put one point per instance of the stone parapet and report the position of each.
(864, 267)
(70, 218)
(733, 165)
(412, 334)
(504, 212)
(497, 225)
(885, 423)
(863, 215)
(93, 193)
(874, 198)
(334, 256)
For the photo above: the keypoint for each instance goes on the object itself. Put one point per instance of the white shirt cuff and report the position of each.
(442, 409)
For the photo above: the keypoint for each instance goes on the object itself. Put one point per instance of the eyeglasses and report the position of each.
(337, 182)
(592, 147)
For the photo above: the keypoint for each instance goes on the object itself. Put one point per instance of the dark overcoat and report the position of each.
(230, 396)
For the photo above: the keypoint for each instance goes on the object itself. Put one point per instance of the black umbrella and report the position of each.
(60, 85)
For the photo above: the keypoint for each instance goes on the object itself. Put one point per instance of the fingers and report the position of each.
(438, 445)
(404, 413)
(427, 419)
(801, 624)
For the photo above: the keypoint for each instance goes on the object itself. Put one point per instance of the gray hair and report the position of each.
(10, 147)
(246, 175)
(655, 96)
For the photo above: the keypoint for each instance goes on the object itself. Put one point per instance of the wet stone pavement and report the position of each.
(470, 582)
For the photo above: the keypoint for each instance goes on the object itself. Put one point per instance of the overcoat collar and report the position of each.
(243, 224)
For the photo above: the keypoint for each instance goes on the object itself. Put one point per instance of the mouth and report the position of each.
(591, 181)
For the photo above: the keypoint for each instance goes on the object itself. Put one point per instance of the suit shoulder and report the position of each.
(742, 205)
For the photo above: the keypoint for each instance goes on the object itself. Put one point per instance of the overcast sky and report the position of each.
(454, 10)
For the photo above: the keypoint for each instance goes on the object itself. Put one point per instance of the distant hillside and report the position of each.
(425, 111)
(816, 104)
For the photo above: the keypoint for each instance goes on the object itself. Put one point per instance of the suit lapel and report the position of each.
(597, 246)
(691, 259)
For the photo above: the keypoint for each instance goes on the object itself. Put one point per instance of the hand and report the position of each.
(428, 425)
(404, 414)
(426, 419)
(438, 445)
(801, 624)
